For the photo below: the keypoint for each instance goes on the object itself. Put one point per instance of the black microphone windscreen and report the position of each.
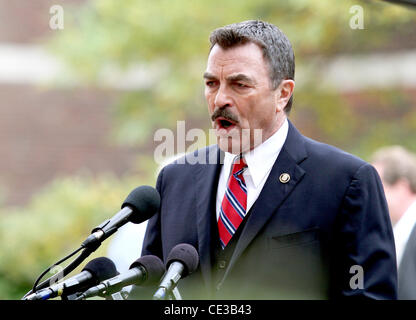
(145, 202)
(154, 268)
(186, 254)
(101, 269)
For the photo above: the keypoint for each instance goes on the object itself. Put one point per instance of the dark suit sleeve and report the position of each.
(152, 240)
(365, 240)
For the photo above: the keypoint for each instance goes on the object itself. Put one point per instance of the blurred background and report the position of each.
(84, 85)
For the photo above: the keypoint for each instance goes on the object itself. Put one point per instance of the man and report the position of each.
(272, 215)
(397, 169)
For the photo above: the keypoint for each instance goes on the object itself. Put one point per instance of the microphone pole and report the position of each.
(182, 260)
(140, 205)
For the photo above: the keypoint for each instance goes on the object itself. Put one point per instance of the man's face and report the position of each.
(240, 97)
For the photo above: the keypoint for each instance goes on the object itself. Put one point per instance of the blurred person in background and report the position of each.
(397, 169)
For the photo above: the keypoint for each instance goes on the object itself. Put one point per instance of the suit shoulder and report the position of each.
(331, 156)
(202, 156)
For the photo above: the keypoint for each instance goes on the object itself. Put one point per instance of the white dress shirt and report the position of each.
(260, 161)
(402, 230)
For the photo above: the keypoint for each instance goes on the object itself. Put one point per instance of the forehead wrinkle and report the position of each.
(242, 77)
(233, 76)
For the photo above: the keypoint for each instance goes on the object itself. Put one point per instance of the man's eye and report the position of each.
(210, 83)
(241, 85)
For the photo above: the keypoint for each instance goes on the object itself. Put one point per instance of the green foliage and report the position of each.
(54, 224)
(326, 116)
(386, 118)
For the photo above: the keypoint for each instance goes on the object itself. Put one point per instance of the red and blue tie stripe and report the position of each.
(234, 203)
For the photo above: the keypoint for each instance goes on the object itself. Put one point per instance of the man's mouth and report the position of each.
(224, 123)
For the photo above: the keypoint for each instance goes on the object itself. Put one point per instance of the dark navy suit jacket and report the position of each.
(324, 234)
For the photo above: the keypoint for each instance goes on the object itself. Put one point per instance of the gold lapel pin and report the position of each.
(284, 178)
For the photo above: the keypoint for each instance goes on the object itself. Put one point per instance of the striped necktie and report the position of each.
(234, 204)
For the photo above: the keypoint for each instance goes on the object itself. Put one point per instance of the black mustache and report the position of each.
(224, 113)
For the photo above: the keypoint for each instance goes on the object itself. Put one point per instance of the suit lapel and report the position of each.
(206, 181)
(274, 192)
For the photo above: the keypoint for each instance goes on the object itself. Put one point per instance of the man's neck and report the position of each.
(269, 134)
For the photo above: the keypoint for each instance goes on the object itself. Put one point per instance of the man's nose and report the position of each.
(222, 98)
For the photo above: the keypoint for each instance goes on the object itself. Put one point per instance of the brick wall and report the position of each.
(46, 133)
(26, 21)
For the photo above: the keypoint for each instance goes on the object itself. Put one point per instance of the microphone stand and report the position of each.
(121, 295)
(175, 294)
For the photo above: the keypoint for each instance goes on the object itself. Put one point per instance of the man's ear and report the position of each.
(283, 93)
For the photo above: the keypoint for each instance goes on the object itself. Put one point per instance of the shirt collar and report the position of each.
(260, 160)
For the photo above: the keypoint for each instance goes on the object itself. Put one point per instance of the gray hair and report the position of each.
(398, 163)
(276, 47)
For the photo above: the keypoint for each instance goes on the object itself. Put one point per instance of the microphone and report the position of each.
(94, 272)
(141, 204)
(183, 260)
(147, 269)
